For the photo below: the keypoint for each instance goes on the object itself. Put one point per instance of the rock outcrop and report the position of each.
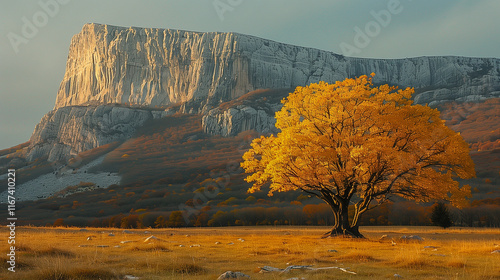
(74, 129)
(241, 118)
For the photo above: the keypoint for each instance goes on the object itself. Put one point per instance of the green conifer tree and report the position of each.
(441, 216)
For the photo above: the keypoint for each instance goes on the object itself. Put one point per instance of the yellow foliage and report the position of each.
(353, 138)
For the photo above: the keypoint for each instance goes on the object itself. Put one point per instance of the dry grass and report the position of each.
(73, 273)
(47, 253)
(151, 248)
(358, 257)
(456, 262)
(413, 258)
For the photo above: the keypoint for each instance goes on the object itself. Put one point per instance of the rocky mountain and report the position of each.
(150, 70)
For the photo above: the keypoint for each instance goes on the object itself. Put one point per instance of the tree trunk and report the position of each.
(342, 227)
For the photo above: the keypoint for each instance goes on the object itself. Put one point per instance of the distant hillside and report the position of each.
(478, 122)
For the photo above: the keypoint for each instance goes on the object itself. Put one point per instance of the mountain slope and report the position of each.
(193, 72)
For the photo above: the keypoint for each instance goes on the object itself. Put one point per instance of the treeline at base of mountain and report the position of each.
(403, 213)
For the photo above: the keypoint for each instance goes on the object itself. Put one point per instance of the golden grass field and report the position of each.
(54, 253)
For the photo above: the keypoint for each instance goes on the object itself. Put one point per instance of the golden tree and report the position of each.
(354, 143)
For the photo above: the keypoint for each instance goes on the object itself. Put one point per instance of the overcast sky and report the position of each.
(32, 66)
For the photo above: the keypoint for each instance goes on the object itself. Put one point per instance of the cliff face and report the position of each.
(108, 64)
(161, 67)
(147, 66)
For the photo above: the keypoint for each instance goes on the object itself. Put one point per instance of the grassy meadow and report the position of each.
(205, 253)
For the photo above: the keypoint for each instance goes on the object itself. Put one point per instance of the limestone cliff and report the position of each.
(108, 64)
(149, 66)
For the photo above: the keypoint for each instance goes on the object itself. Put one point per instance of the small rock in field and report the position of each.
(84, 246)
(230, 243)
(111, 234)
(332, 251)
(151, 238)
(195, 245)
(412, 237)
(398, 276)
(242, 240)
(438, 255)
(181, 245)
(126, 241)
(127, 232)
(130, 277)
(147, 232)
(84, 229)
(102, 246)
(232, 275)
(217, 243)
(187, 235)
(496, 252)
(296, 278)
(118, 246)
